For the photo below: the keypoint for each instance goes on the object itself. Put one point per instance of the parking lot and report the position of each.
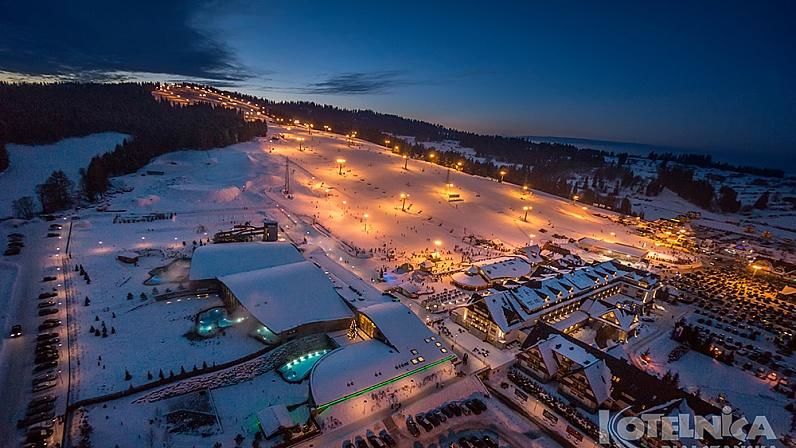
(36, 351)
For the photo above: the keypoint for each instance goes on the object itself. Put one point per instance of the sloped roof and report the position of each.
(287, 296)
(359, 366)
(217, 260)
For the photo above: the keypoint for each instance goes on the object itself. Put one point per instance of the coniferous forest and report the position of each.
(45, 113)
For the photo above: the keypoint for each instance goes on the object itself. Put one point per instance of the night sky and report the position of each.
(715, 76)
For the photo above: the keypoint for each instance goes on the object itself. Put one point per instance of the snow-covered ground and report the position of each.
(327, 213)
(31, 165)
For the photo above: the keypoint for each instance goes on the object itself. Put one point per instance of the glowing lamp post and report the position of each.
(340, 163)
(300, 141)
(387, 143)
(575, 198)
(502, 175)
(526, 208)
(431, 156)
(459, 165)
(403, 201)
(437, 244)
(755, 268)
(365, 221)
(406, 161)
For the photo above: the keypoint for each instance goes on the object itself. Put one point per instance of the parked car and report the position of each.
(431, 417)
(44, 378)
(45, 358)
(43, 367)
(360, 442)
(48, 311)
(46, 336)
(387, 438)
(411, 426)
(46, 407)
(48, 324)
(425, 422)
(46, 304)
(47, 295)
(16, 331)
(34, 419)
(374, 441)
(44, 386)
(42, 399)
(49, 343)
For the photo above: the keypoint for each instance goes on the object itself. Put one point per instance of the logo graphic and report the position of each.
(681, 429)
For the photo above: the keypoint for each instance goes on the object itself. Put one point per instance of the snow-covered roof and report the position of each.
(347, 370)
(287, 296)
(274, 418)
(599, 377)
(512, 308)
(504, 267)
(469, 280)
(621, 249)
(217, 260)
(574, 318)
(572, 351)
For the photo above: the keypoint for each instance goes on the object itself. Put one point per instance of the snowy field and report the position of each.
(31, 165)
(213, 190)
(136, 324)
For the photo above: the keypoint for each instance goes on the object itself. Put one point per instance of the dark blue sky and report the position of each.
(709, 75)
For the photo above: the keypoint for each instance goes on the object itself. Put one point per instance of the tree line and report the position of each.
(706, 161)
(35, 114)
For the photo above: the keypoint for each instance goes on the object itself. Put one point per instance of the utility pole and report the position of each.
(287, 175)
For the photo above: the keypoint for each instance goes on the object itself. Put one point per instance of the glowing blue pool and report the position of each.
(298, 369)
(210, 321)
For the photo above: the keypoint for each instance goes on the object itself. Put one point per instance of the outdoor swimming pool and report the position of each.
(210, 321)
(298, 369)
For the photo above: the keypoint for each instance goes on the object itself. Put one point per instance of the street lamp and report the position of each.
(459, 165)
(365, 221)
(431, 156)
(502, 175)
(575, 198)
(300, 140)
(340, 163)
(406, 161)
(387, 143)
(403, 201)
(755, 269)
(527, 208)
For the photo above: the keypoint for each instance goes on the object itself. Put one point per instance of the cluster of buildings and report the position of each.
(377, 349)
(608, 295)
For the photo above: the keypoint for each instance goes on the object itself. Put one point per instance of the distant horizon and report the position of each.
(639, 149)
(714, 75)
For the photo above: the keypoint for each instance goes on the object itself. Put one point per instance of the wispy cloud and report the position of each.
(96, 40)
(351, 83)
